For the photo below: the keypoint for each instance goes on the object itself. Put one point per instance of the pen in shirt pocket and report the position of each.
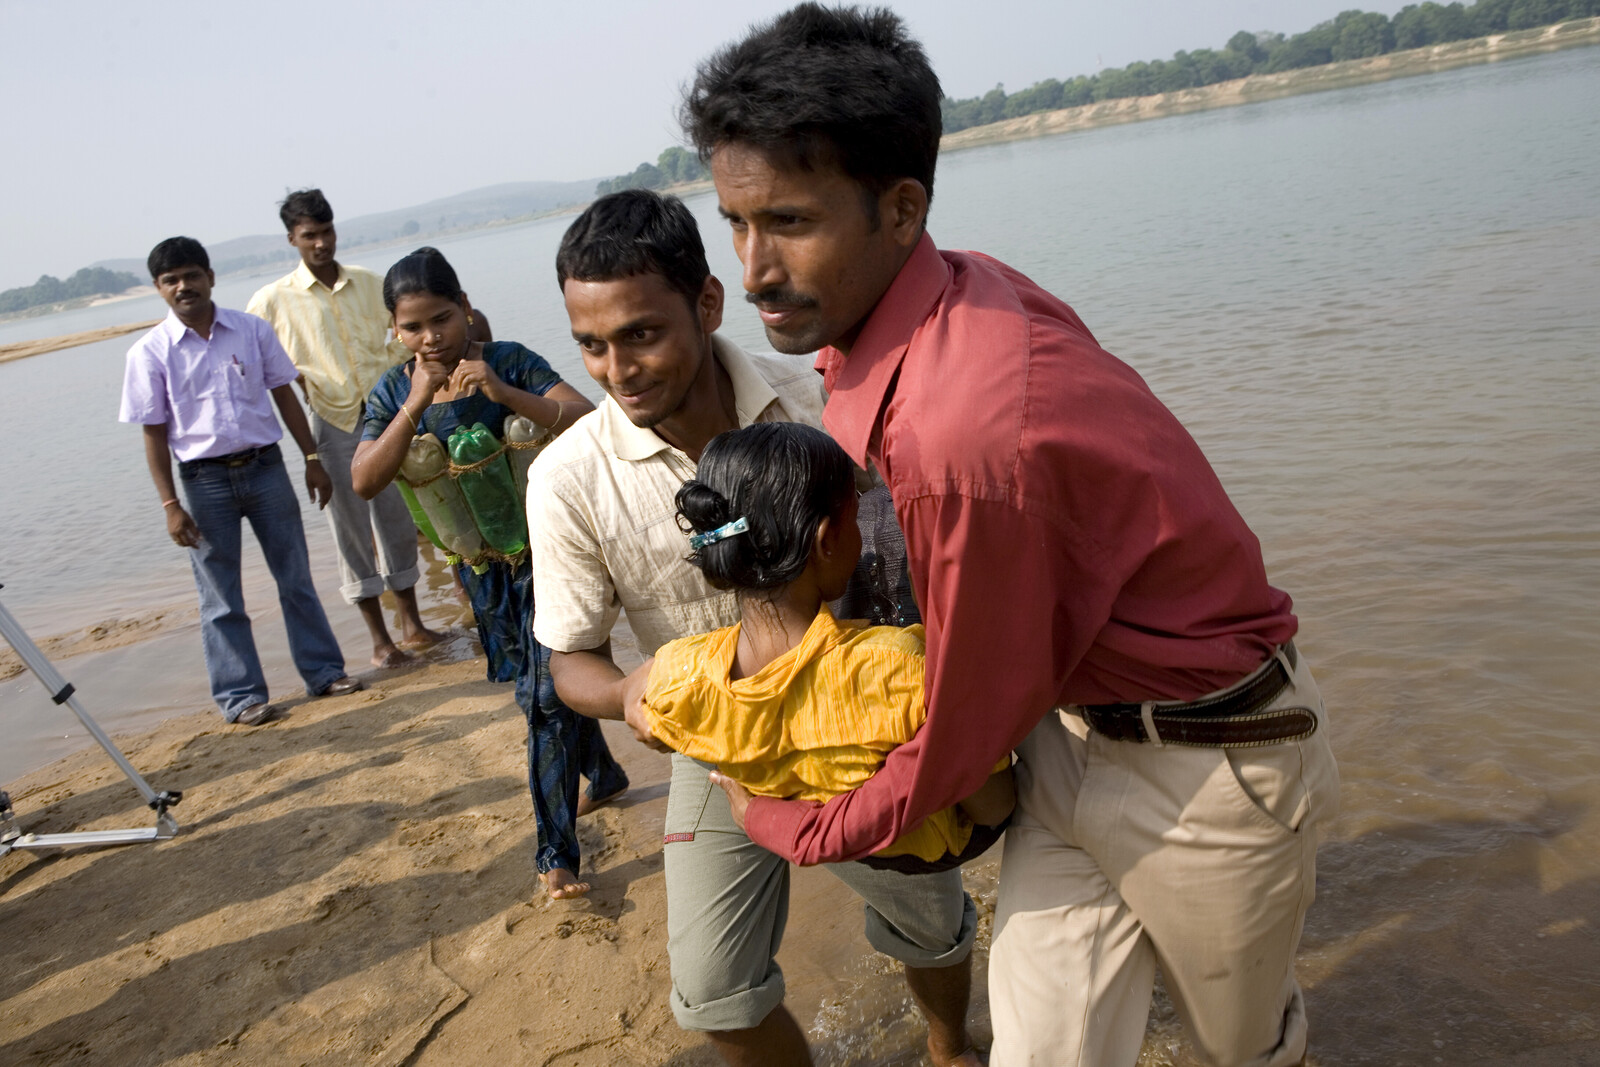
(238, 366)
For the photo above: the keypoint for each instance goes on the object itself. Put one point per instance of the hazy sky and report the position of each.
(128, 122)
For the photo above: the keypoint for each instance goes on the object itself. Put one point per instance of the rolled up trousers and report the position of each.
(376, 539)
(1123, 855)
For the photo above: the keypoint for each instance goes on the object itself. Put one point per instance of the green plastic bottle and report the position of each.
(419, 516)
(426, 469)
(491, 491)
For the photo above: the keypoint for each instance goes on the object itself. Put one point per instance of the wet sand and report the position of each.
(112, 633)
(354, 884)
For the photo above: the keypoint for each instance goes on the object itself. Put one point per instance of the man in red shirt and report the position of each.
(1093, 600)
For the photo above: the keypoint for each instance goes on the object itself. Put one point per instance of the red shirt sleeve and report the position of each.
(1001, 643)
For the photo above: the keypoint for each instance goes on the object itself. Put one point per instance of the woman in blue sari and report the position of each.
(455, 382)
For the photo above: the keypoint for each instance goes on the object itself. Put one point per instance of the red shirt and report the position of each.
(1068, 542)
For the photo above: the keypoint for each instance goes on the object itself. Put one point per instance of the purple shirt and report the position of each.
(212, 395)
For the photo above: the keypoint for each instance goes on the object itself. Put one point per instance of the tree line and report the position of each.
(90, 281)
(1350, 35)
(672, 166)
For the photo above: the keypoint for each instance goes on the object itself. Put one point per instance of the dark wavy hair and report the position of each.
(820, 86)
(304, 204)
(783, 478)
(634, 232)
(423, 271)
(177, 252)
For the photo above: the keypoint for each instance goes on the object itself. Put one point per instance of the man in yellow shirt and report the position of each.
(332, 322)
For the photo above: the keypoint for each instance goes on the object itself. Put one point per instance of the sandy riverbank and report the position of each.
(354, 884)
(1259, 87)
(24, 349)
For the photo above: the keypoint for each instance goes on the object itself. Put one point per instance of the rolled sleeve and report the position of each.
(144, 389)
(1001, 643)
(576, 603)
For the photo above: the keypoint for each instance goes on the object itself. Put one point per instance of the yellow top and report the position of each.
(336, 337)
(815, 722)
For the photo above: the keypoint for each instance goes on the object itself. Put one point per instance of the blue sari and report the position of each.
(561, 743)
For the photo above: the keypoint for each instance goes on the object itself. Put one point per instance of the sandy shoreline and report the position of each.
(1259, 87)
(355, 884)
(24, 349)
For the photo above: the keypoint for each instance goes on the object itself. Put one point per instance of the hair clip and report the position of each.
(721, 533)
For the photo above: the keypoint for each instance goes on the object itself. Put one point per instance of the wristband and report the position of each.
(311, 456)
(407, 413)
(169, 503)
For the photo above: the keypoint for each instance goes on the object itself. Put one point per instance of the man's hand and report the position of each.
(633, 712)
(318, 484)
(181, 527)
(476, 376)
(738, 796)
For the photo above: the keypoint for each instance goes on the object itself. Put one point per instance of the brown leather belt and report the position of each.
(238, 459)
(1234, 718)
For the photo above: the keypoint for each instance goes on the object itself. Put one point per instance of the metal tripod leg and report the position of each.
(61, 691)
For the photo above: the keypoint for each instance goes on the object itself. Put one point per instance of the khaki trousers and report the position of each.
(376, 539)
(728, 903)
(1124, 855)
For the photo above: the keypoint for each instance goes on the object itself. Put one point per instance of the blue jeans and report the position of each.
(218, 496)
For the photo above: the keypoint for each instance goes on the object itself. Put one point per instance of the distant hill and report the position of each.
(464, 211)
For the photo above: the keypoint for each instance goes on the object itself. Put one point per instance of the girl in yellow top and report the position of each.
(791, 702)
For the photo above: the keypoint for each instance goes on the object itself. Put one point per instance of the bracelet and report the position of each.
(311, 456)
(407, 413)
(169, 503)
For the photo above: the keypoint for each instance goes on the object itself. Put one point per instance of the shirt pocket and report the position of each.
(245, 374)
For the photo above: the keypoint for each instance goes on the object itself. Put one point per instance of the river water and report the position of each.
(1376, 310)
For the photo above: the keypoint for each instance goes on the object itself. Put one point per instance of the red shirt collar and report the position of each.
(859, 383)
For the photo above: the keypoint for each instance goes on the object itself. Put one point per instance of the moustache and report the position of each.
(783, 298)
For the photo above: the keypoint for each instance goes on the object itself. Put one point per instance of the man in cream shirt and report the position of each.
(603, 530)
(332, 321)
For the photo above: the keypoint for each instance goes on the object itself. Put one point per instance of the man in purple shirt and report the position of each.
(198, 383)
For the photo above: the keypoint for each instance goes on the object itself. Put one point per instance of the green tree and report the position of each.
(90, 281)
(680, 165)
(1310, 49)
(1416, 26)
(1248, 45)
(1362, 34)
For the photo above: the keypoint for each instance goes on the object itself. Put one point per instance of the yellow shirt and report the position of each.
(815, 722)
(336, 337)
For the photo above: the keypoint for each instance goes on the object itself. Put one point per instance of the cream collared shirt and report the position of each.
(336, 337)
(602, 521)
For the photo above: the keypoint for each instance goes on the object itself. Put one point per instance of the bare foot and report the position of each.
(586, 805)
(563, 884)
(967, 1057)
(421, 637)
(392, 658)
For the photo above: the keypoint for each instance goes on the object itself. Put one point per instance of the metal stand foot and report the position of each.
(61, 691)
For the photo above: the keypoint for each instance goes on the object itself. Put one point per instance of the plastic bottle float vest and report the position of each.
(479, 466)
(426, 472)
(525, 439)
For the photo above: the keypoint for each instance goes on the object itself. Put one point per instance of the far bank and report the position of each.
(1261, 87)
